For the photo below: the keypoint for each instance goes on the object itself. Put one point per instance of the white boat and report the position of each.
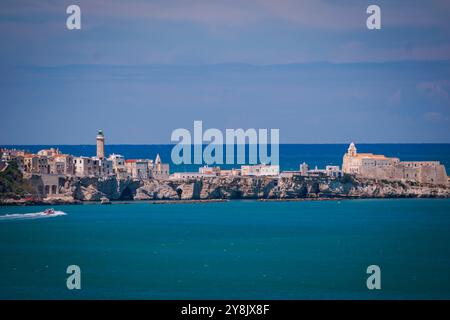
(50, 211)
(105, 200)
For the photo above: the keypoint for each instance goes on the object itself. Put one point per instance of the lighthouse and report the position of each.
(100, 145)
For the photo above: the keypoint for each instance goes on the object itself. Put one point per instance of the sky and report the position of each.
(141, 69)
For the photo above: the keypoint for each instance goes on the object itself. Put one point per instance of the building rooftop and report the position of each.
(371, 156)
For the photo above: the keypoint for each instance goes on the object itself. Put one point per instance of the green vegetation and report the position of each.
(347, 178)
(12, 183)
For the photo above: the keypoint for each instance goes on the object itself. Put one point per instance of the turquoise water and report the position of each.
(231, 250)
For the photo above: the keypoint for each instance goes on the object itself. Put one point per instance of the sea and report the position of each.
(290, 155)
(236, 249)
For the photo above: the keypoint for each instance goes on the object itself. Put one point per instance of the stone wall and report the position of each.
(431, 173)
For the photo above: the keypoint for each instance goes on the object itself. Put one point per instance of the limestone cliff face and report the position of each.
(285, 188)
(156, 190)
(93, 189)
(72, 189)
(395, 189)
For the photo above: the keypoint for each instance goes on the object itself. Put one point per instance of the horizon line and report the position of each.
(173, 144)
(232, 63)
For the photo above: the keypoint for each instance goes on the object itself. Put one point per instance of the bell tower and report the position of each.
(351, 151)
(100, 145)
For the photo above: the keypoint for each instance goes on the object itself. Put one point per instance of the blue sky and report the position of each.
(140, 69)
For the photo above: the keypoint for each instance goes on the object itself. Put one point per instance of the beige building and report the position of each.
(33, 163)
(61, 164)
(58, 163)
(118, 165)
(137, 168)
(49, 152)
(375, 166)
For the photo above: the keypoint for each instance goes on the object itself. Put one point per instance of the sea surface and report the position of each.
(291, 155)
(228, 250)
(233, 250)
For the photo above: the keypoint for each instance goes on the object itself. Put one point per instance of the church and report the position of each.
(375, 166)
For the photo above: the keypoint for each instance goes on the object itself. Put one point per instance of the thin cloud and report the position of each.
(437, 89)
(306, 13)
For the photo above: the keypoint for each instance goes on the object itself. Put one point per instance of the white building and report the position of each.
(260, 170)
(333, 171)
(316, 172)
(92, 167)
(304, 168)
(85, 166)
(209, 170)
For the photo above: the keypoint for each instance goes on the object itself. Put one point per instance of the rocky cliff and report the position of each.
(71, 189)
(74, 189)
(284, 188)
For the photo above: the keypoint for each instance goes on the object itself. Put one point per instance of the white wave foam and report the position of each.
(36, 215)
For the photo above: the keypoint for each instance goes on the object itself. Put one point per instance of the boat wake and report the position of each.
(36, 215)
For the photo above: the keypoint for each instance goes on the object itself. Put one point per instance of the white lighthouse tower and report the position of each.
(100, 145)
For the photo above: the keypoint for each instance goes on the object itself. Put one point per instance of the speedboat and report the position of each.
(50, 211)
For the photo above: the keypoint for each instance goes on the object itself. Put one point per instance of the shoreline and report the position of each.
(19, 203)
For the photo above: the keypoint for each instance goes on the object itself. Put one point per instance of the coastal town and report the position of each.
(50, 167)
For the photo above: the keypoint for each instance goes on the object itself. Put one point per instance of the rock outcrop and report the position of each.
(284, 188)
(73, 189)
